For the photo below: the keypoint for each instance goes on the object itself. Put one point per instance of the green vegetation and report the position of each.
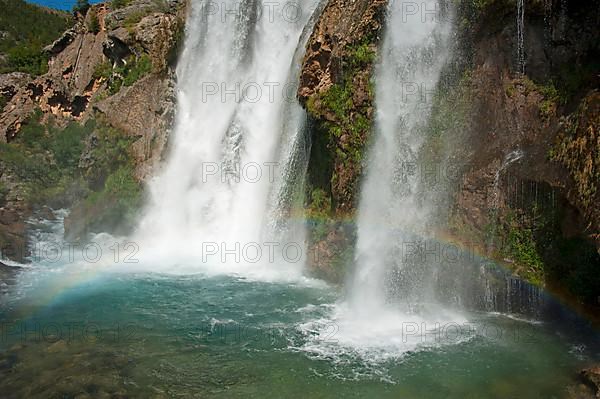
(520, 246)
(531, 237)
(27, 29)
(44, 158)
(48, 163)
(136, 16)
(318, 212)
(346, 124)
(126, 75)
(362, 55)
(577, 148)
(116, 4)
(3, 193)
(552, 98)
(93, 24)
(81, 6)
(115, 206)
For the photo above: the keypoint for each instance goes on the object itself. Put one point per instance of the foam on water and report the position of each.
(238, 151)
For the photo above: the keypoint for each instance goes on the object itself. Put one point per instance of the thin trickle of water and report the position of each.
(508, 160)
(521, 36)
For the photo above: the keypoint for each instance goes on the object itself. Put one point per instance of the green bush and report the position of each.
(115, 206)
(103, 70)
(93, 24)
(81, 6)
(140, 68)
(126, 75)
(28, 59)
(362, 55)
(68, 145)
(116, 4)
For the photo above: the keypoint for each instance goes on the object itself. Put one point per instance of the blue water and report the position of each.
(66, 5)
(152, 335)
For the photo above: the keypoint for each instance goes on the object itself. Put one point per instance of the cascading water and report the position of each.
(237, 142)
(392, 216)
(521, 36)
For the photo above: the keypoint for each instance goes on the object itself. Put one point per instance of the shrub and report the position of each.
(67, 146)
(116, 4)
(81, 6)
(93, 24)
(28, 59)
(140, 68)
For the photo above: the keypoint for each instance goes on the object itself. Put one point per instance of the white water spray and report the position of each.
(392, 214)
(237, 142)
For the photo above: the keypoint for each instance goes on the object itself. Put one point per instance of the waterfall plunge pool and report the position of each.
(157, 335)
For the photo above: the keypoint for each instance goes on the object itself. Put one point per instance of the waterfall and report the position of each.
(237, 144)
(393, 218)
(392, 288)
(521, 36)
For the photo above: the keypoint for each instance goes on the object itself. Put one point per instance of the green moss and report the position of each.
(362, 55)
(353, 125)
(577, 148)
(318, 211)
(344, 124)
(521, 247)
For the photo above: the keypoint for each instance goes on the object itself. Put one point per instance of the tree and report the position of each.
(82, 6)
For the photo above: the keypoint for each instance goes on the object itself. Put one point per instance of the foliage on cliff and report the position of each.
(336, 89)
(24, 30)
(89, 166)
(577, 147)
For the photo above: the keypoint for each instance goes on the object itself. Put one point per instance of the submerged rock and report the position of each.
(591, 377)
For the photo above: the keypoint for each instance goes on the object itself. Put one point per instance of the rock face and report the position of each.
(72, 89)
(335, 88)
(527, 144)
(591, 377)
(523, 147)
(342, 24)
(115, 66)
(337, 66)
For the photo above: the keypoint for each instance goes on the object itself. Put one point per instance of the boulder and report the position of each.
(591, 377)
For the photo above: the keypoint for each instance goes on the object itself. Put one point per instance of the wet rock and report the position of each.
(591, 377)
(342, 23)
(58, 346)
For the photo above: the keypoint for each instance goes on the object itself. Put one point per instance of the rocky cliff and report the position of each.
(524, 138)
(336, 89)
(515, 129)
(111, 76)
